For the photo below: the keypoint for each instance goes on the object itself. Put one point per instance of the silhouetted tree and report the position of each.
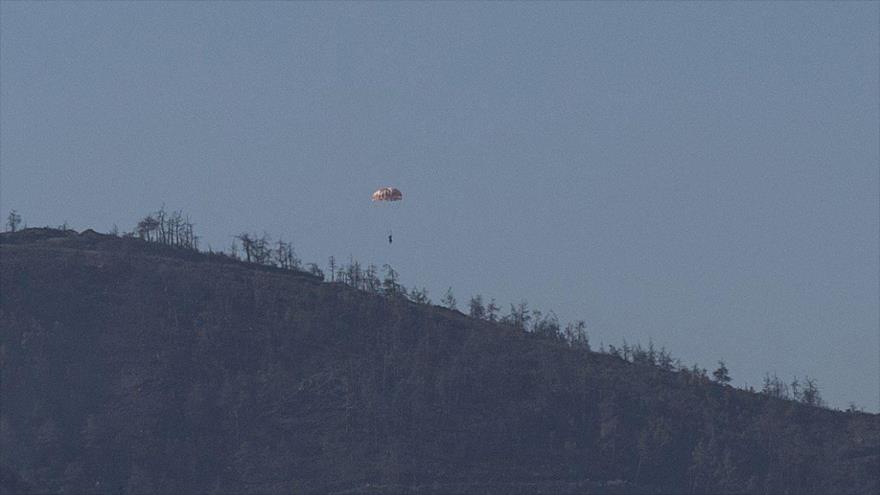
(354, 274)
(664, 360)
(389, 285)
(315, 270)
(233, 250)
(148, 229)
(774, 387)
(332, 264)
(721, 374)
(256, 249)
(419, 296)
(371, 279)
(262, 252)
(476, 308)
(546, 326)
(13, 221)
(492, 311)
(449, 299)
(536, 318)
(810, 394)
(614, 351)
(699, 375)
(248, 245)
(576, 335)
(189, 239)
(640, 356)
(170, 229)
(795, 387)
(519, 315)
(285, 256)
(160, 225)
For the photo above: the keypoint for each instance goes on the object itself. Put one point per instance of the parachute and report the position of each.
(387, 194)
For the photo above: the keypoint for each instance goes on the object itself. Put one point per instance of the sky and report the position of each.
(705, 176)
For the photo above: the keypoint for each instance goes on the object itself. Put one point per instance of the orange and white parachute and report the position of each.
(387, 194)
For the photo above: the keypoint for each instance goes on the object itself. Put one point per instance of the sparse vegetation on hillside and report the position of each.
(175, 229)
(136, 364)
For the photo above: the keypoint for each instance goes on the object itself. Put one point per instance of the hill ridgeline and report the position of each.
(134, 367)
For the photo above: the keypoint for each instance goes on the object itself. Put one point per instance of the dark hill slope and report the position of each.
(137, 368)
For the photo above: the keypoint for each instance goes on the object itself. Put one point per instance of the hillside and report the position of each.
(139, 368)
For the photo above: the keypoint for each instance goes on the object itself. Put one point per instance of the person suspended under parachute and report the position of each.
(387, 194)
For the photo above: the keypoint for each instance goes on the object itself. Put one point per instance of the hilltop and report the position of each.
(137, 367)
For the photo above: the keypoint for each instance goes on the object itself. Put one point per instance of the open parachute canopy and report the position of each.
(388, 194)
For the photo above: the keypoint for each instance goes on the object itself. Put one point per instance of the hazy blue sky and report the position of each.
(701, 174)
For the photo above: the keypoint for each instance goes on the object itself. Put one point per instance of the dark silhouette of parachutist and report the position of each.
(389, 238)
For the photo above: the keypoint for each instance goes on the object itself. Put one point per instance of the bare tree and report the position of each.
(774, 387)
(172, 226)
(354, 273)
(161, 234)
(262, 252)
(315, 270)
(476, 308)
(389, 284)
(372, 279)
(233, 251)
(170, 229)
(810, 395)
(795, 387)
(492, 311)
(332, 268)
(285, 256)
(13, 221)
(191, 234)
(449, 299)
(664, 360)
(419, 296)
(546, 326)
(614, 351)
(247, 244)
(639, 355)
(280, 254)
(576, 335)
(652, 353)
(147, 228)
(176, 229)
(519, 315)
